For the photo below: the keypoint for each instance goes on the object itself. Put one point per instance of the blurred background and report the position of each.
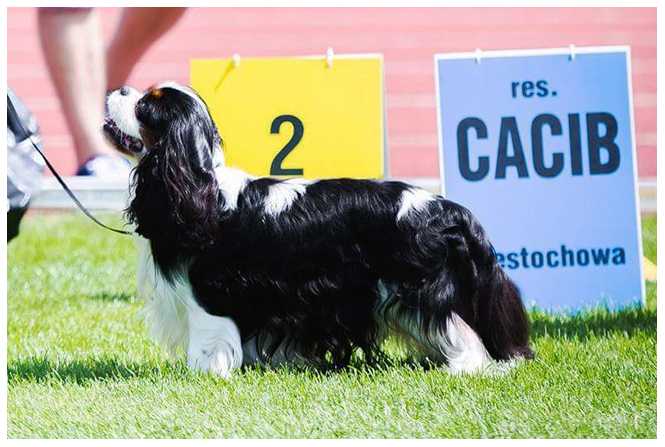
(407, 37)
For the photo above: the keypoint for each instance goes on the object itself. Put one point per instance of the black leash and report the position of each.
(13, 117)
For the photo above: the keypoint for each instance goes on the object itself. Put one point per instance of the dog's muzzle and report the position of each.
(123, 141)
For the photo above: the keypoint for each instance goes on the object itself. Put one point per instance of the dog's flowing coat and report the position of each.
(242, 269)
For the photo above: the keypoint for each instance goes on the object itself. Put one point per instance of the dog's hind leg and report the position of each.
(454, 343)
(459, 345)
(214, 343)
(448, 340)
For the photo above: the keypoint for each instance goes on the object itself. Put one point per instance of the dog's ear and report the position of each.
(190, 142)
(177, 203)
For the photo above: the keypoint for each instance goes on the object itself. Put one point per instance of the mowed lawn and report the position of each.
(80, 365)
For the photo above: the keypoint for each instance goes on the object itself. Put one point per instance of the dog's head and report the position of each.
(163, 116)
(170, 130)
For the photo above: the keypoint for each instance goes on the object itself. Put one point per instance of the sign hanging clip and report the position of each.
(329, 57)
(479, 54)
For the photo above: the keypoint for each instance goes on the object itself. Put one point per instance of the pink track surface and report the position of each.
(407, 37)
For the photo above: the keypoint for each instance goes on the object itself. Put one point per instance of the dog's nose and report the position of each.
(124, 90)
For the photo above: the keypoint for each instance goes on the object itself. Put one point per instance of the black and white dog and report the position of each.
(238, 270)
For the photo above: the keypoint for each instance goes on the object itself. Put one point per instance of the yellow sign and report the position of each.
(297, 116)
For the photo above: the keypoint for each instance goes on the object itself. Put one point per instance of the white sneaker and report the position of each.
(106, 167)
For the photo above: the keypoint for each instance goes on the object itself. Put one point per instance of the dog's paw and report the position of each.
(219, 360)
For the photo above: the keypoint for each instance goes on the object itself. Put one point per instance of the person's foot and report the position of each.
(106, 167)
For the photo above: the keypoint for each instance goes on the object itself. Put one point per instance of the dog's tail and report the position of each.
(503, 324)
(500, 317)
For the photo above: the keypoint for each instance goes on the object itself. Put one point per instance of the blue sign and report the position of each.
(540, 146)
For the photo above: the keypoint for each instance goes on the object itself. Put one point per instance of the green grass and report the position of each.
(80, 365)
(649, 238)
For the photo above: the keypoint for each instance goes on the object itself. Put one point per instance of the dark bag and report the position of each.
(24, 165)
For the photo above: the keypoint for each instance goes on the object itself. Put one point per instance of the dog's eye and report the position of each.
(156, 93)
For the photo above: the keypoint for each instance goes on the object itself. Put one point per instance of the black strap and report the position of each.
(13, 117)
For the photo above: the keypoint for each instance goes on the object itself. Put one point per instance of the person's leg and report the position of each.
(137, 30)
(74, 54)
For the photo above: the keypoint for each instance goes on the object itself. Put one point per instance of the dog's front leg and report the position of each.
(214, 343)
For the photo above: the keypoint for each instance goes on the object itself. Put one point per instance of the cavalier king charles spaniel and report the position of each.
(239, 270)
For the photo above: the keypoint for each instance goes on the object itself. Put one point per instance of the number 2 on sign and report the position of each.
(298, 130)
